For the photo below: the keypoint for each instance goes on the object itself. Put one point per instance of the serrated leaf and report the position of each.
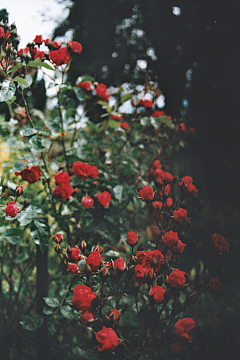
(20, 80)
(32, 322)
(19, 165)
(41, 233)
(125, 98)
(118, 190)
(48, 310)
(52, 302)
(67, 312)
(14, 236)
(7, 90)
(113, 124)
(27, 131)
(26, 216)
(80, 94)
(40, 63)
(36, 143)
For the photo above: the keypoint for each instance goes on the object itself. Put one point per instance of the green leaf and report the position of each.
(40, 63)
(26, 216)
(14, 236)
(53, 125)
(7, 91)
(125, 98)
(43, 131)
(52, 302)
(118, 190)
(20, 80)
(41, 233)
(145, 121)
(48, 310)
(80, 94)
(67, 312)
(32, 322)
(36, 143)
(1, 180)
(27, 131)
(83, 78)
(113, 124)
(29, 80)
(19, 165)
(93, 126)
(11, 100)
(166, 121)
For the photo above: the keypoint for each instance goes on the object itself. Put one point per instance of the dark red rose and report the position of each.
(94, 260)
(72, 268)
(107, 338)
(101, 91)
(167, 177)
(124, 125)
(60, 56)
(11, 209)
(187, 185)
(146, 258)
(158, 293)
(177, 279)
(140, 273)
(24, 52)
(94, 172)
(83, 297)
(58, 238)
(119, 264)
(63, 192)
(30, 174)
(170, 238)
(179, 248)
(47, 42)
(180, 215)
(157, 164)
(116, 117)
(169, 202)
(104, 198)
(158, 113)
(215, 285)
(184, 328)
(56, 44)
(82, 170)
(132, 238)
(74, 46)
(40, 54)
(87, 316)
(38, 40)
(62, 178)
(219, 243)
(75, 253)
(86, 85)
(146, 103)
(87, 202)
(146, 193)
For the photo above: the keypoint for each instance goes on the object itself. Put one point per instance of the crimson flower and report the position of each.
(107, 338)
(94, 260)
(184, 328)
(11, 209)
(104, 198)
(83, 297)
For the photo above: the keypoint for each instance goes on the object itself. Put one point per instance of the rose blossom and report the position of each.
(140, 273)
(40, 54)
(219, 243)
(11, 209)
(116, 117)
(124, 125)
(87, 316)
(84, 170)
(170, 238)
(38, 40)
(146, 193)
(180, 215)
(104, 198)
(184, 328)
(62, 178)
(177, 279)
(94, 260)
(107, 338)
(86, 85)
(101, 91)
(31, 174)
(63, 192)
(74, 46)
(19, 190)
(158, 113)
(158, 293)
(132, 238)
(119, 264)
(75, 253)
(179, 248)
(60, 56)
(72, 268)
(87, 202)
(83, 297)
(114, 314)
(146, 103)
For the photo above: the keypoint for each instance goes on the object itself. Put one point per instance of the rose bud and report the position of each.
(19, 190)
(58, 238)
(132, 238)
(87, 316)
(11, 209)
(146, 193)
(119, 265)
(72, 268)
(114, 314)
(157, 292)
(87, 202)
(83, 245)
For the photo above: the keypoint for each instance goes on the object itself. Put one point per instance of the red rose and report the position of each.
(94, 260)
(87, 316)
(116, 117)
(58, 238)
(167, 177)
(146, 193)
(157, 163)
(11, 209)
(30, 174)
(63, 192)
(132, 238)
(94, 172)
(219, 243)
(177, 279)
(83, 297)
(47, 42)
(146, 103)
(180, 215)
(38, 40)
(146, 258)
(140, 273)
(74, 46)
(186, 180)
(86, 85)
(19, 190)
(107, 338)
(114, 314)
(124, 125)
(179, 248)
(104, 198)
(169, 202)
(56, 44)
(170, 238)
(158, 293)
(60, 56)
(184, 328)
(158, 113)
(24, 51)
(119, 264)
(87, 202)
(40, 54)
(101, 91)
(72, 268)
(62, 178)
(75, 253)
(82, 170)
(189, 188)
